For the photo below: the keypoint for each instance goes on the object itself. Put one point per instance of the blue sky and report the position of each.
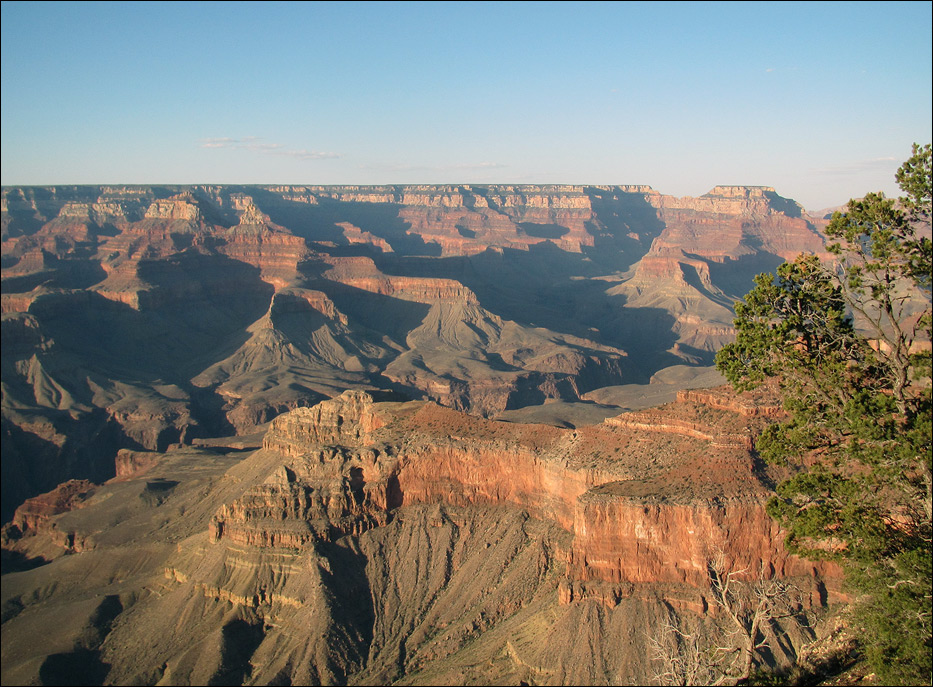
(820, 100)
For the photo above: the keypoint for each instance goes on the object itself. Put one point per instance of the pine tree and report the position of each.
(849, 342)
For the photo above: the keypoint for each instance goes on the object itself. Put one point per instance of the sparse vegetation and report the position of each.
(849, 342)
(753, 610)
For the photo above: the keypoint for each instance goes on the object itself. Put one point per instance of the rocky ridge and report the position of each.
(679, 475)
(384, 542)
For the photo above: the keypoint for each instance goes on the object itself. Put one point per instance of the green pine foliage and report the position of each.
(848, 341)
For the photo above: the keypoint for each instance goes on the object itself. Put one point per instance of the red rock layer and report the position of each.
(275, 252)
(625, 539)
(36, 513)
(652, 500)
(129, 463)
(719, 224)
(362, 273)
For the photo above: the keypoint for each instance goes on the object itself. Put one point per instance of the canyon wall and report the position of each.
(153, 315)
(387, 541)
(648, 497)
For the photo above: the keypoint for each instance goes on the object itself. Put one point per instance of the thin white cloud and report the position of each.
(861, 166)
(458, 167)
(257, 145)
(307, 154)
(218, 142)
(263, 147)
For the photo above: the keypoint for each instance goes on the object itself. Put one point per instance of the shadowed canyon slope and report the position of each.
(403, 542)
(136, 318)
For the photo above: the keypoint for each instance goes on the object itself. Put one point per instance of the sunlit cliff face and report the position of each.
(362, 525)
(648, 497)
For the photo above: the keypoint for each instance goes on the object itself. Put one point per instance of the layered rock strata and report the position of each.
(34, 516)
(649, 497)
(399, 542)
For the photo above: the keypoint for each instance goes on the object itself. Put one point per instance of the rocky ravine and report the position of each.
(140, 317)
(402, 542)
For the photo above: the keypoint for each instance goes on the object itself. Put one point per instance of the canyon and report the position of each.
(372, 435)
(139, 317)
(377, 542)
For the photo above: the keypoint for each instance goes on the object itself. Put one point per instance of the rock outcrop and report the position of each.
(34, 516)
(648, 497)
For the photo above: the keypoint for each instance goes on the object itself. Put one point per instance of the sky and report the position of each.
(822, 101)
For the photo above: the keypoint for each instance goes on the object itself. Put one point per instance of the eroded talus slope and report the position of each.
(401, 542)
(141, 317)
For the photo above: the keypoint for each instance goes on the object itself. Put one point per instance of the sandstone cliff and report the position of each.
(390, 542)
(648, 496)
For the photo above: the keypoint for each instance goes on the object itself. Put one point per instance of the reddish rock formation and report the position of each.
(732, 221)
(131, 463)
(362, 273)
(275, 252)
(761, 402)
(620, 538)
(649, 497)
(379, 542)
(519, 217)
(349, 422)
(35, 515)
